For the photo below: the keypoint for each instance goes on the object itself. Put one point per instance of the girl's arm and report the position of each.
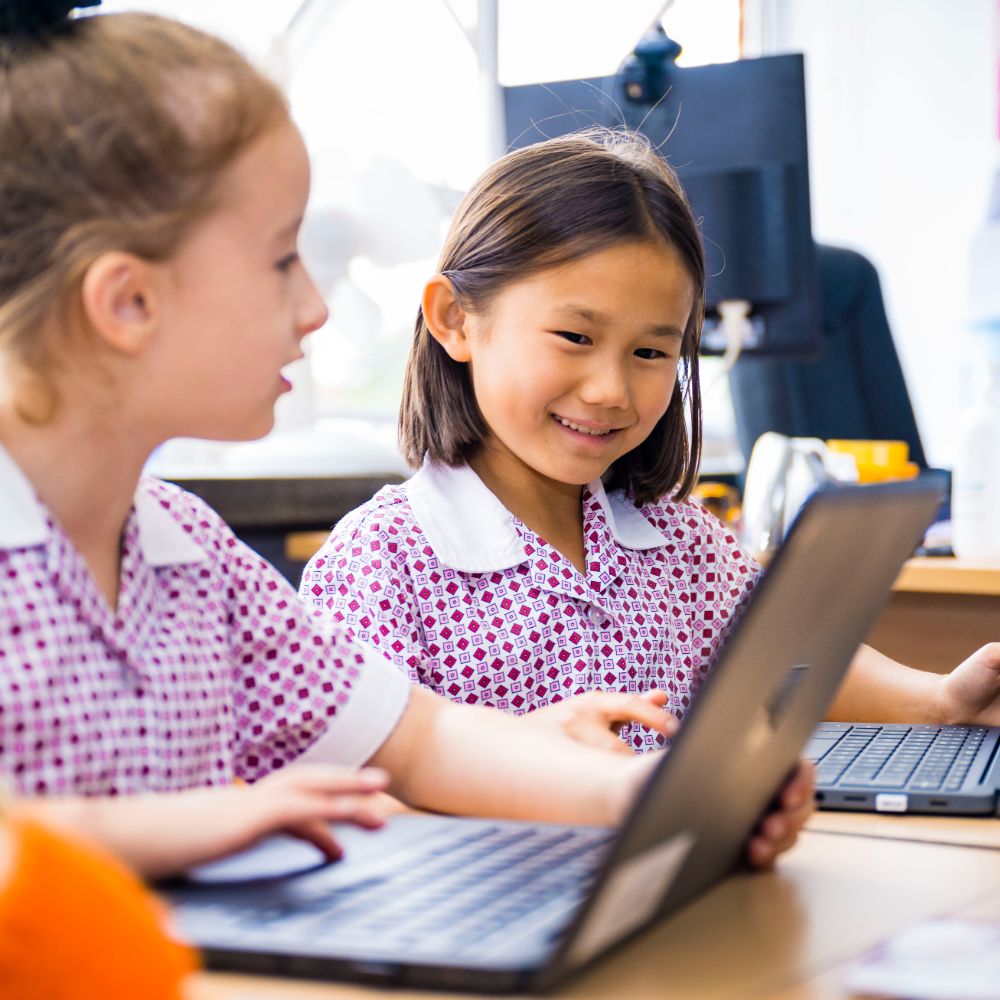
(454, 758)
(441, 756)
(480, 762)
(878, 689)
(158, 834)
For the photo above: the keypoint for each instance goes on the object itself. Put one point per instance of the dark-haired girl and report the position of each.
(547, 546)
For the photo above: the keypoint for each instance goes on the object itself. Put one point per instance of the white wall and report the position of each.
(902, 104)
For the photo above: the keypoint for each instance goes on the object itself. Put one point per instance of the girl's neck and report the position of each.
(551, 509)
(85, 469)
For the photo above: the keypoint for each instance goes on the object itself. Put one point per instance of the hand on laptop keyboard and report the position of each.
(161, 834)
(779, 830)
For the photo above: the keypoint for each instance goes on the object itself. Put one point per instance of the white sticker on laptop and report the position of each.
(891, 802)
(630, 896)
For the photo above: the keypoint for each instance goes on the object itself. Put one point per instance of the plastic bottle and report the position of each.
(975, 497)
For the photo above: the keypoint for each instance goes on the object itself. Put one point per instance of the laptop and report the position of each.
(498, 906)
(871, 767)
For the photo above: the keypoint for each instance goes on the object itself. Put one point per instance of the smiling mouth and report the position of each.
(580, 429)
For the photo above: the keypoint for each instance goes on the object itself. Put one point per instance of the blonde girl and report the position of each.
(159, 682)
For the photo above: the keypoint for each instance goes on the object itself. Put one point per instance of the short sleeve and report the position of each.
(294, 676)
(299, 679)
(361, 580)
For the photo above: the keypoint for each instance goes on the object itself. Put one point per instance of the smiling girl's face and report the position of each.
(573, 367)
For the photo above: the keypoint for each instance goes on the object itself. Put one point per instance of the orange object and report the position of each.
(878, 461)
(721, 499)
(75, 925)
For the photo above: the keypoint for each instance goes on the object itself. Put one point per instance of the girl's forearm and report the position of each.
(151, 833)
(878, 689)
(480, 762)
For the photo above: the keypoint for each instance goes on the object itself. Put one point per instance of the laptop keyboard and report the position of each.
(914, 758)
(457, 887)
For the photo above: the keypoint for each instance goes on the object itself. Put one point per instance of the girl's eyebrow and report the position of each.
(592, 316)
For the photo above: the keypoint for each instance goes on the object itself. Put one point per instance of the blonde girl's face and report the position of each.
(237, 301)
(574, 366)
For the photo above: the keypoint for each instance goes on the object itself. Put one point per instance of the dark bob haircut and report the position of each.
(541, 207)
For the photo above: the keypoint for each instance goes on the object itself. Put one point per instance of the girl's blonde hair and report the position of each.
(541, 207)
(115, 131)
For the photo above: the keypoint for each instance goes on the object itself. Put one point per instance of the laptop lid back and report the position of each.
(771, 683)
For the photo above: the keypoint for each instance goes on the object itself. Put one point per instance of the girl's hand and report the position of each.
(162, 834)
(779, 830)
(971, 692)
(595, 718)
(302, 801)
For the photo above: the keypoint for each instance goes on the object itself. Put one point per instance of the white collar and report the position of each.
(23, 521)
(470, 530)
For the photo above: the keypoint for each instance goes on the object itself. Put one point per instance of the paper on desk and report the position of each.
(942, 959)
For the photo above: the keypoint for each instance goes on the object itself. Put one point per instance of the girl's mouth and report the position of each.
(596, 432)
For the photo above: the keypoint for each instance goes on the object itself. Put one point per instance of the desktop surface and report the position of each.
(790, 933)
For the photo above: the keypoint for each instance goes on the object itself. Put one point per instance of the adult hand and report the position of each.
(596, 717)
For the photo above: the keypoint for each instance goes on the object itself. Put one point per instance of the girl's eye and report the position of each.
(573, 338)
(649, 353)
(287, 261)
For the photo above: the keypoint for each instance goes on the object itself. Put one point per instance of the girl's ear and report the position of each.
(119, 301)
(446, 319)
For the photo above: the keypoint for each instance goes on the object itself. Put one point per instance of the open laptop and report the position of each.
(444, 902)
(872, 767)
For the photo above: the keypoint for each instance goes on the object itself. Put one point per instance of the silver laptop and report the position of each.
(442, 902)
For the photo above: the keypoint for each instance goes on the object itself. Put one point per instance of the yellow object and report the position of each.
(878, 461)
(719, 498)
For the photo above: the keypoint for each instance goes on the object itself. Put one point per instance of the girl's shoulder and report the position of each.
(174, 515)
(377, 525)
(692, 525)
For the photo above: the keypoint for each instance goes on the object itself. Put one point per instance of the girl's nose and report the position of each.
(312, 311)
(606, 385)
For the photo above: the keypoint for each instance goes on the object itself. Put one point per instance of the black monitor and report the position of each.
(736, 135)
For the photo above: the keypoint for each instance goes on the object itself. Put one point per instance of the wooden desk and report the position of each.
(831, 985)
(791, 933)
(982, 832)
(940, 611)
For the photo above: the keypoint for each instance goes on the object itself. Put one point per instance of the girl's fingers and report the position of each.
(317, 833)
(598, 735)
(762, 852)
(315, 816)
(620, 709)
(329, 779)
(359, 810)
(800, 789)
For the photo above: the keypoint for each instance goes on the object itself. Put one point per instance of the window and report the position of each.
(396, 116)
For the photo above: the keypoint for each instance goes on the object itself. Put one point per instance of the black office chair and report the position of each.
(854, 388)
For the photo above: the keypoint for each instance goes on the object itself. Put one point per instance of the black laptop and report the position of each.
(872, 767)
(443, 902)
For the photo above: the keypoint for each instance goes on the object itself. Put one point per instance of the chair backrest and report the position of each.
(854, 388)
